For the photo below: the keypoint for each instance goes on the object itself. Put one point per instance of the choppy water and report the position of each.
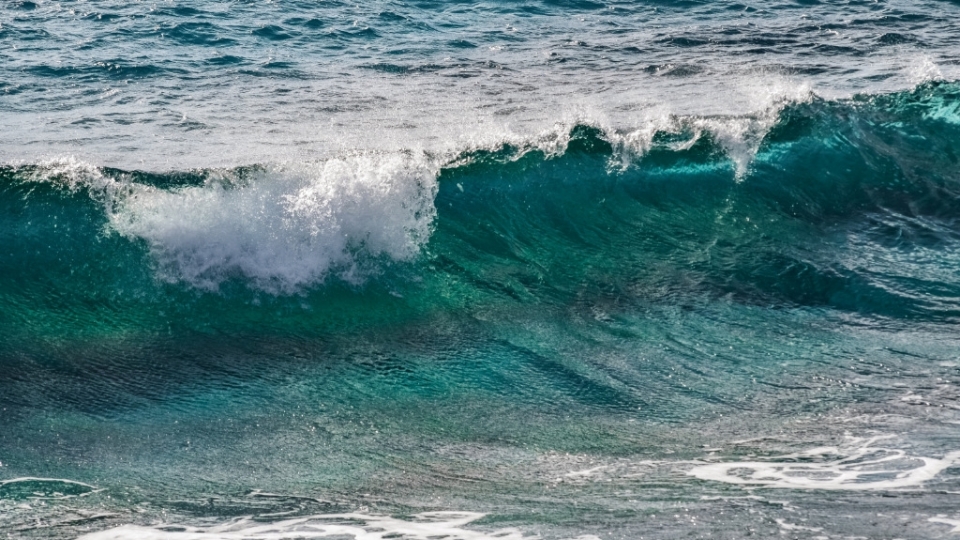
(479, 270)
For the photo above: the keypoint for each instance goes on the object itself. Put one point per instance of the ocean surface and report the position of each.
(474, 270)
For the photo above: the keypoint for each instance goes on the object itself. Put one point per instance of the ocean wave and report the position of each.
(776, 207)
(281, 227)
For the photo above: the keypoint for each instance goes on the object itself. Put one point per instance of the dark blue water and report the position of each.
(479, 270)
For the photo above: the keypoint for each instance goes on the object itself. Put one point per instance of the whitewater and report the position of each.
(479, 270)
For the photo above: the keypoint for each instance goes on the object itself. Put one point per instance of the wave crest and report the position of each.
(287, 227)
(278, 228)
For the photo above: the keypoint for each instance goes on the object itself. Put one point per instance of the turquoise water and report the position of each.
(425, 278)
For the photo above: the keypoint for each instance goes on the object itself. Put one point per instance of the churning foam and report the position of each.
(858, 466)
(448, 525)
(280, 228)
(289, 226)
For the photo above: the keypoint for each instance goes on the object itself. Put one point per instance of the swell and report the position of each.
(557, 260)
(848, 205)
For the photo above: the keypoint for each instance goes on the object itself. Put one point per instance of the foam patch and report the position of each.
(856, 467)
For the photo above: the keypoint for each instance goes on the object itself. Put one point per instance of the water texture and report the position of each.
(567, 270)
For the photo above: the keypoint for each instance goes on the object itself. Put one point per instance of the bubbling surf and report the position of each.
(858, 466)
(359, 526)
(284, 228)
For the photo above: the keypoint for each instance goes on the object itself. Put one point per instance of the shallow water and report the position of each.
(479, 270)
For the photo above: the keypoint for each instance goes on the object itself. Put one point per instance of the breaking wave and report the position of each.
(849, 204)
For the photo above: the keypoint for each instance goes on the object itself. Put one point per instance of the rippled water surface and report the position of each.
(197, 84)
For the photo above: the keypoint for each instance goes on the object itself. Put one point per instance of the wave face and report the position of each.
(849, 205)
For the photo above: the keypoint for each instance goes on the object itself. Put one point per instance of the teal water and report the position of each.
(555, 339)
(732, 317)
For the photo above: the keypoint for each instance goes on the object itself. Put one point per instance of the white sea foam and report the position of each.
(69, 172)
(857, 465)
(955, 523)
(763, 95)
(793, 527)
(448, 525)
(281, 228)
(923, 70)
(741, 136)
(288, 227)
